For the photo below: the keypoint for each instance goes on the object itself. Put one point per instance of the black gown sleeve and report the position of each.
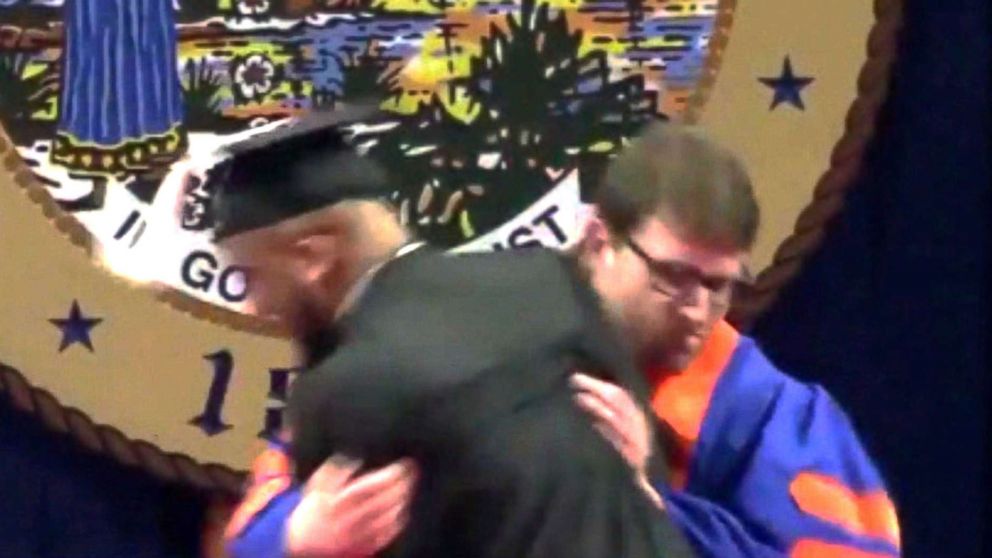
(352, 404)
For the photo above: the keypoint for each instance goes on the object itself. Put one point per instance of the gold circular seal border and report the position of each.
(808, 233)
(829, 193)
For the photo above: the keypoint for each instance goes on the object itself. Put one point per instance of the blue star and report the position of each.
(787, 86)
(76, 328)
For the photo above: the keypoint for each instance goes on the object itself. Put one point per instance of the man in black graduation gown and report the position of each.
(458, 362)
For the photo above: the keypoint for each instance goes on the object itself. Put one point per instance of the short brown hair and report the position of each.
(677, 174)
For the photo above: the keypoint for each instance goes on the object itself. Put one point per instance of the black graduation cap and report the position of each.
(301, 167)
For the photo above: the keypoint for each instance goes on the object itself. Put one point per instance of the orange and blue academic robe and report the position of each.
(257, 526)
(766, 465)
(763, 465)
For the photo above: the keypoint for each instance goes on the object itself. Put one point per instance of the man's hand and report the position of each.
(618, 418)
(341, 516)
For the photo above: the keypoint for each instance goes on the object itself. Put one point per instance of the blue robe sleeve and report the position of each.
(264, 535)
(257, 527)
(712, 531)
(783, 459)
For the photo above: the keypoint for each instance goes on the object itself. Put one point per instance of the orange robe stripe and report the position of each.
(869, 514)
(681, 399)
(809, 548)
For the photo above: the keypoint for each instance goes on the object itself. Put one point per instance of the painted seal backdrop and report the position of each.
(497, 115)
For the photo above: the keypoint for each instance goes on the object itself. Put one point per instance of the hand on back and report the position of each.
(345, 516)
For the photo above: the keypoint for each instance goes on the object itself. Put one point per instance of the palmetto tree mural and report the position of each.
(537, 102)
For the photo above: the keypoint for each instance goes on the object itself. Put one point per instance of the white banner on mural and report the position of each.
(553, 221)
(175, 257)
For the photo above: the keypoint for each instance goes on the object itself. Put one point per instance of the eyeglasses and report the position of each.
(679, 280)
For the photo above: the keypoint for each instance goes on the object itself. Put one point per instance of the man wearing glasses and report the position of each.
(762, 465)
